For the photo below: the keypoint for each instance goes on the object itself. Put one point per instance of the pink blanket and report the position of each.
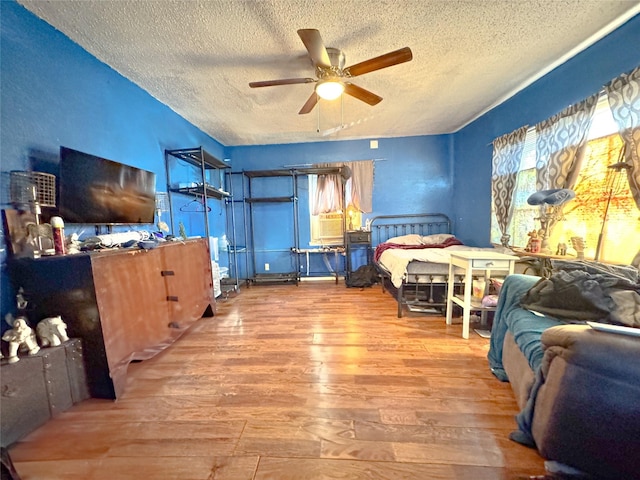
(386, 246)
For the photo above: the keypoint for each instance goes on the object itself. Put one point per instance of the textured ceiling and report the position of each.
(198, 57)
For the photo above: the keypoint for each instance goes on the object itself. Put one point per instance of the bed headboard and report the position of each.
(384, 227)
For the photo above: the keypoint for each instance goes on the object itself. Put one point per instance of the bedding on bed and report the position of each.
(395, 257)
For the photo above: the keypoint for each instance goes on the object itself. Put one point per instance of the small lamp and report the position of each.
(351, 211)
(550, 201)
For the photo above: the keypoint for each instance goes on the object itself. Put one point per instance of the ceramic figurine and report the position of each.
(562, 249)
(579, 246)
(533, 245)
(21, 335)
(52, 331)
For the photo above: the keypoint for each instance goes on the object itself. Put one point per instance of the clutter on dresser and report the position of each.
(117, 239)
(26, 236)
(28, 192)
(59, 241)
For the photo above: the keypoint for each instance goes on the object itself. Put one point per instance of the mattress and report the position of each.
(418, 264)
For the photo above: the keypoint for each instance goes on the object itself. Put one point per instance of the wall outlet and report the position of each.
(266, 267)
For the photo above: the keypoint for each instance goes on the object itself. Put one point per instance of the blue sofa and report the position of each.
(578, 388)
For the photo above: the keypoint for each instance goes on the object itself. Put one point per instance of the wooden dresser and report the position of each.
(125, 305)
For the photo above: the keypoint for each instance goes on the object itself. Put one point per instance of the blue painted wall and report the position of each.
(54, 93)
(581, 76)
(412, 175)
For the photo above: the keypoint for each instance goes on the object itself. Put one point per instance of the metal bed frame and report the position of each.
(417, 292)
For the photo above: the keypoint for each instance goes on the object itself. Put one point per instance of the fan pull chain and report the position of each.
(318, 116)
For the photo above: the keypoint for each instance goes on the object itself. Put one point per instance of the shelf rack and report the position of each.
(201, 159)
(205, 189)
(249, 201)
(280, 277)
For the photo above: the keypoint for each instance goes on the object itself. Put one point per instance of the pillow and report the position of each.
(436, 239)
(410, 239)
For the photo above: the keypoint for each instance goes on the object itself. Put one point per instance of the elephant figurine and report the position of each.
(20, 336)
(52, 331)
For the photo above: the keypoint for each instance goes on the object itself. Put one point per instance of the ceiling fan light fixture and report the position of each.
(329, 89)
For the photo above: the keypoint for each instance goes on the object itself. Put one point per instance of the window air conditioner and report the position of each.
(331, 226)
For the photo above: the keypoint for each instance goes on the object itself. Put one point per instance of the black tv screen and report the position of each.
(98, 191)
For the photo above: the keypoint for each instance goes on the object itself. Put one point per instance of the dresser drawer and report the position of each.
(358, 237)
(491, 264)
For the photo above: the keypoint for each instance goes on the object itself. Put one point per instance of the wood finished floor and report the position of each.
(310, 382)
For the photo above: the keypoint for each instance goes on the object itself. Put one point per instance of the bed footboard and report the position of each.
(419, 292)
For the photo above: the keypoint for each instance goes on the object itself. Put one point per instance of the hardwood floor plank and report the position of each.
(313, 469)
(58, 469)
(234, 468)
(133, 468)
(170, 447)
(314, 381)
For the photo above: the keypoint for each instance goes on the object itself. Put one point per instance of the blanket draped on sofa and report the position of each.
(527, 306)
(526, 329)
(586, 291)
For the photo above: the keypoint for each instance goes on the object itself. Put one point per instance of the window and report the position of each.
(598, 189)
(328, 228)
(522, 220)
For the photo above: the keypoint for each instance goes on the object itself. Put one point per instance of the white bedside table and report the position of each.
(470, 261)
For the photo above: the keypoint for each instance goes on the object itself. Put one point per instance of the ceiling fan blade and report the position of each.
(362, 94)
(284, 81)
(377, 63)
(313, 42)
(308, 106)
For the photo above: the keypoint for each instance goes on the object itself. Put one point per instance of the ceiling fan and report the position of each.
(332, 77)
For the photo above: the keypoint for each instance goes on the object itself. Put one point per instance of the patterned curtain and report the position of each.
(624, 100)
(560, 145)
(560, 148)
(507, 154)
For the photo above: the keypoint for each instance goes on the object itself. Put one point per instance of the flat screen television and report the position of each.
(98, 191)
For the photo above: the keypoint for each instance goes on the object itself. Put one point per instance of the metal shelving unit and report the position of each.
(280, 277)
(234, 248)
(250, 201)
(197, 157)
(207, 187)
